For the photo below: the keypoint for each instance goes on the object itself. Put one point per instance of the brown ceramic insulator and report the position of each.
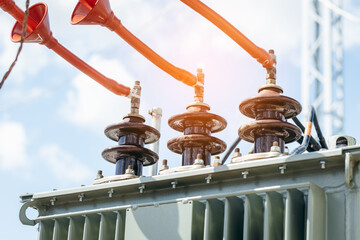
(115, 131)
(131, 136)
(197, 125)
(210, 121)
(192, 145)
(146, 156)
(270, 109)
(270, 101)
(264, 132)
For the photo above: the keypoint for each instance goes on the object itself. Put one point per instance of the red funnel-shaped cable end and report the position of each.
(91, 12)
(41, 33)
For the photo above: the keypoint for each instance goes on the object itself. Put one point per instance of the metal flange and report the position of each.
(115, 131)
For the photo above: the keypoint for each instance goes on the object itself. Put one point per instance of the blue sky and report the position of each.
(52, 116)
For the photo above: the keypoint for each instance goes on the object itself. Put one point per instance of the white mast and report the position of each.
(322, 63)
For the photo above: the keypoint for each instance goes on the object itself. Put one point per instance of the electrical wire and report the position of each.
(23, 33)
(307, 133)
(319, 133)
(314, 145)
(230, 149)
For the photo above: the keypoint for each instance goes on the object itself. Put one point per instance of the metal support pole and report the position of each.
(156, 114)
(322, 64)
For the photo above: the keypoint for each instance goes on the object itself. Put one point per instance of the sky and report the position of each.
(52, 116)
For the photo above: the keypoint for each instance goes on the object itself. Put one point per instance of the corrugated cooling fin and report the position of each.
(291, 214)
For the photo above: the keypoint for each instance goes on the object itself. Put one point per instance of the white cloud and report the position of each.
(13, 141)
(88, 104)
(19, 96)
(63, 165)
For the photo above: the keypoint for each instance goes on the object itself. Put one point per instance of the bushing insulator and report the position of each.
(131, 137)
(197, 126)
(270, 110)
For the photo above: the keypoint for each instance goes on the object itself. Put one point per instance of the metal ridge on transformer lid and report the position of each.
(335, 156)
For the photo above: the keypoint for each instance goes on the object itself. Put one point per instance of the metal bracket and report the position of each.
(350, 163)
(22, 214)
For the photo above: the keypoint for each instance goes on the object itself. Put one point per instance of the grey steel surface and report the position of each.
(307, 201)
(176, 221)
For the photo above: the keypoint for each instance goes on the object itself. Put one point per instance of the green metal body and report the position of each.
(316, 197)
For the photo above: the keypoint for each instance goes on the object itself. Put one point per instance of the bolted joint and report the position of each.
(81, 197)
(282, 169)
(142, 188)
(245, 174)
(199, 86)
(271, 72)
(99, 175)
(111, 192)
(237, 153)
(199, 160)
(130, 170)
(52, 201)
(217, 161)
(275, 147)
(135, 98)
(208, 178)
(173, 184)
(322, 164)
(164, 165)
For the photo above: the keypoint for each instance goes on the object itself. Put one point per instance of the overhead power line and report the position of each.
(23, 34)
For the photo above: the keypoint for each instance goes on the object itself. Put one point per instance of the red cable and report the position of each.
(48, 40)
(256, 52)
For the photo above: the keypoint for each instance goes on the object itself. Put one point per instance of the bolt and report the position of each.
(111, 192)
(286, 150)
(323, 164)
(130, 170)
(173, 184)
(99, 175)
(52, 201)
(245, 174)
(199, 160)
(237, 153)
(164, 165)
(208, 178)
(142, 188)
(81, 197)
(275, 147)
(282, 169)
(217, 161)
